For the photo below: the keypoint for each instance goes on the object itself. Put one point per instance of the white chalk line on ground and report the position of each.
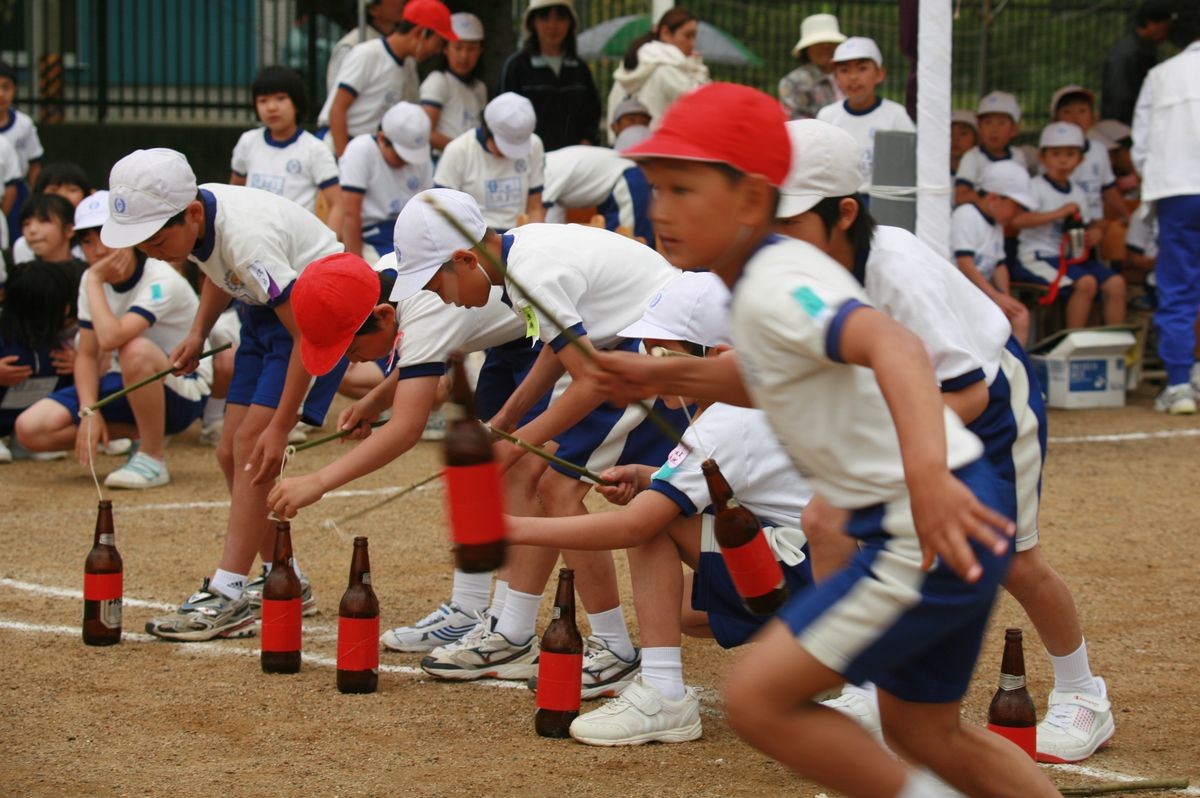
(1124, 437)
(1112, 775)
(215, 505)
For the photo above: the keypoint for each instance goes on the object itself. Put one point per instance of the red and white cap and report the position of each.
(511, 119)
(407, 128)
(431, 14)
(723, 123)
(145, 189)
(826, 162)
(856, 48)
(331, 299)
(467, 26)
(692, 306)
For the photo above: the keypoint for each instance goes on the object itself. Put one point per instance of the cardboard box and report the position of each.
(1084, 368)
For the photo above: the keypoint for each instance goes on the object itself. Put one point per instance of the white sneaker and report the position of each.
(1076, 726)
(5, 454)
(1178, 400)
(605, 674)
(444, 625)
(141, 472)
(640, 715)
(860, 705)
(117, 447)
(483, 653)
(210, 434)
(299, 433)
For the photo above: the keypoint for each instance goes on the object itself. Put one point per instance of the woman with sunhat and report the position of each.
(810, 87)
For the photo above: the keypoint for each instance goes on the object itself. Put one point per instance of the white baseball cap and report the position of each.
(92, 212)
(535, 5)
(407, 127)
(1112, 130)
(692, 306)
(511, 119)
(424, 239)
(965, 118)
(1000, 102)
(1061, 134)
(467, 26)
(630, 105)
(818, 29)
(826, 162)
(1008, 179)
(631, 136)
(1071, 88)
(857, 47)
(145, 189)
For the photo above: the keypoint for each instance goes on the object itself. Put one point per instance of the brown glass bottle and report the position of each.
(281, 608)
(103, 583)
(1012, 713)
(560, 664)
(358, 628)
(474, 494)
(752, 566)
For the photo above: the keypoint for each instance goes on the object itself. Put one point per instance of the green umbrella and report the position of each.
(612, 38)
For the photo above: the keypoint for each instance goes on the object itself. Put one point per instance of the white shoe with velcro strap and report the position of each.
(640, 714)
(1076, 726)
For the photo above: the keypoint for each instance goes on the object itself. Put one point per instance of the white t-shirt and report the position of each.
(590, 280)
(23, 136)
(1093, 175)
(788, 311)
(385, 190)
(1045, 239)
(970, 166)
(974, 234)
(256, 243)
(964, 332)
(10, 175)
(378, 80)
(751, 459)
(342, 49)
(297, 168)
(500, 185)
(582, 176)
(885, 115)
(1142, 233)
(21, 252)
(461, 103)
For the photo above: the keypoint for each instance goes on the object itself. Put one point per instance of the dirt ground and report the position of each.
(154, 718)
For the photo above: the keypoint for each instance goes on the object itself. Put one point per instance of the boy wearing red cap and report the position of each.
(876, 440)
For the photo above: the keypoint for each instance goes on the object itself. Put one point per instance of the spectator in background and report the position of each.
(964, 134)
(629, 114)
(22, 134)
(810, 87)
(382, 16)
(452, 94)
(998, 120)
(63, 179)
(548, 71)
(1132, 56)
(660, 65)
(10, 178)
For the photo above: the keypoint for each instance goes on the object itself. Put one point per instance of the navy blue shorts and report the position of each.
(181, 411)
(503, 369)
(1042, 271)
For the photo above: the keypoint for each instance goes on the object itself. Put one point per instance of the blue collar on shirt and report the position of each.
(846, 104)
(126, 286)
(204, 249)
(286, 142)
(469, 80)
(860, 264)
(997, 158)
(987, 218)
(12, 119)
(506, 242)
(770, 240)
(399, 61)
(1061, 188)
(482, 138)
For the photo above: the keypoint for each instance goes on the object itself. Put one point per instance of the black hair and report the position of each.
(673, 20)
(281, 80)
(35, 306)
(1074, 96)
(7, 71)
(533, 47)
(178, 218)
(1154, 11)
(860, 231)
(62, 173)
(387, 279)
(48, 208)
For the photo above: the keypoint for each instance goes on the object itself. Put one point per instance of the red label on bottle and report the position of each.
(103, 587)
(281, 625)
(476, 503)
(560, 678)
(753, 567)
(358, 644)
(1025, 737)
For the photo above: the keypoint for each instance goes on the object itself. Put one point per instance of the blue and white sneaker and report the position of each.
(447, 624)
(140, 472)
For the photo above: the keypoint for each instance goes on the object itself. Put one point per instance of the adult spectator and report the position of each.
(810, 87)
(382, 16)
(1132, 56)
(548, 71)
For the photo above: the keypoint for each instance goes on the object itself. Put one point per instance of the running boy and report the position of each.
(999, 120)
(249, 244)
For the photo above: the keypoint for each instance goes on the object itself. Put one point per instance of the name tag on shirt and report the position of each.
(24, 394)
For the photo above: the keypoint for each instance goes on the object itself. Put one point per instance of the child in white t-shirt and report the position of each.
(583, 176)
(454, 96)
(998, 117)
(1076, 104)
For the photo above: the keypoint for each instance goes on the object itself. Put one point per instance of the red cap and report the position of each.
(431, 14)
(724, 123)
(331, 299)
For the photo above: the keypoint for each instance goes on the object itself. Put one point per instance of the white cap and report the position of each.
(424, 239)
(965, 118)
(145, 189)
(1061, 134)
(407, 126)
(92, 212)
(692, 306)
(631, 136)
(1008, 179)
(818, 29)
(630, 105)
(511, 119)
(1113, 130)
(1071, 88)
(857, 47)
(826, 162)
(1000, 102)
(534, 5)
(467, 26)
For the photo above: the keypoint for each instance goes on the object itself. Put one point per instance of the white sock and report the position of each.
(921, 784)
(214, 410)
(470, 591)
(1072, 674)
(519, 618)
(662, 669)
(498, 597)
(866, 690)
(609, 626)
(228, 584)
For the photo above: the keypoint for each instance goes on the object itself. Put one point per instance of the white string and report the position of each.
(692, 427)
(87, 414)
(288, 454)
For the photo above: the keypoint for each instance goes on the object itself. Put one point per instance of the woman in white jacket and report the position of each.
(660, 66)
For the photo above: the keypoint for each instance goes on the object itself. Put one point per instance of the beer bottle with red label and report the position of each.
(103, 576)
(281, 608)
(474, 495)
(358, 628)
(752, 566)
(1012, 713)
(560, 664)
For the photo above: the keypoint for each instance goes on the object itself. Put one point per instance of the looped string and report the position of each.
(692, 427)
(87, 413)
(288, 454)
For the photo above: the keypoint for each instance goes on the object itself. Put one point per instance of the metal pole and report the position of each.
(984, 34)
(362, 20)
(101, 60)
